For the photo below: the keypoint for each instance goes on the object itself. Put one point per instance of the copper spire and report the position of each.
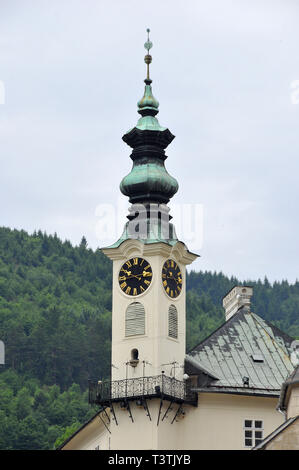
(148, 58)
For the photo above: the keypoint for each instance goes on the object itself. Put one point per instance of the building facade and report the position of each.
(222, 394)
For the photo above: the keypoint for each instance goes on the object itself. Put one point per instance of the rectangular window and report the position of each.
(253, 432)
(135, 319)
(172, 322)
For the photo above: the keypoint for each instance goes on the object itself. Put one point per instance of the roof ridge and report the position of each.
(217, 329)
(274, 327)
(273, 338)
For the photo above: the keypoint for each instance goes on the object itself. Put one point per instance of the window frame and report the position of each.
(253, 429)
(175, 319)
(129, 328)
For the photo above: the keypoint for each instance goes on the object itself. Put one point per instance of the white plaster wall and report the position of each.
(218, 421)
(216, 424)
(143, 433)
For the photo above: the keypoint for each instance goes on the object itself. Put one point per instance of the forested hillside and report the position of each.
(55, 321)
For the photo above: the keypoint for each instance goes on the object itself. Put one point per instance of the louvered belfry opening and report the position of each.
(135, 319)
(172, 322)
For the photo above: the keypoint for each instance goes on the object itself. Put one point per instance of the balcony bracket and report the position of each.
(113, 413)
(147, 410)
(168, 409)
(129, 411)
(160, 408)
(177, 412)
(103, 409)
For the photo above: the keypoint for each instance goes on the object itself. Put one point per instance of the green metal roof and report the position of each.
(154, 235)
(228, 354)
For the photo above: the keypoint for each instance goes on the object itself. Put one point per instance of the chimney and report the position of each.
(237, 297)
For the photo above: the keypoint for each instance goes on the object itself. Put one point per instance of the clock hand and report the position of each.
(135, 275)
(128, 272)
(145, 273)
(177, 280)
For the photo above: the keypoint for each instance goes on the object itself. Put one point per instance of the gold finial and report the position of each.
(148, 58)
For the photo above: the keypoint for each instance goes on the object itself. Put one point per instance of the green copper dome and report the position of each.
(148, 101)
(149, 182)
(148, 107)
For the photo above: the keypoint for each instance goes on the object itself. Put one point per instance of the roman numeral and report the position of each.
(128, 290)
(123, 285)
(135, 261)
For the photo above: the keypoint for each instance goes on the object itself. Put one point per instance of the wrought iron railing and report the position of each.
(160, 385)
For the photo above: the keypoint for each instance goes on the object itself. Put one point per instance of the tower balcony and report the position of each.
(104, 393)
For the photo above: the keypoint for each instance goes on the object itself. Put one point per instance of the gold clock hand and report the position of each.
(145, 273)
(134, 275)
(125, 271)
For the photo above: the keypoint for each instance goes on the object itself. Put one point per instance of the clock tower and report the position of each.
(149, 296)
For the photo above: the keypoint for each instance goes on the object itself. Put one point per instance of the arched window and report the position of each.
(134, 355)
(135, 319)
(172, 322)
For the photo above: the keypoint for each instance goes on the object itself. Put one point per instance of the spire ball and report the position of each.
(148, 44)
(148, 58)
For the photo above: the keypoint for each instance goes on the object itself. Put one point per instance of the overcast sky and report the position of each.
(223, 71)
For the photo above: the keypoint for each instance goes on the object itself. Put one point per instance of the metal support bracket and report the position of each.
(146, 409)
(107, 415)
(113, 413)
(129, 411)
(177, 412)
(168, 409)
(160, 407)
(103, 409)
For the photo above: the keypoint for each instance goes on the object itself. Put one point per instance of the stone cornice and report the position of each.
(133, 246)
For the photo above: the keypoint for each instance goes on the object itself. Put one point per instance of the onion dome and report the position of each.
(148, 180)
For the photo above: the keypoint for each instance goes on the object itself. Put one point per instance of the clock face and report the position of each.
(135, 276)
(172, 278)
